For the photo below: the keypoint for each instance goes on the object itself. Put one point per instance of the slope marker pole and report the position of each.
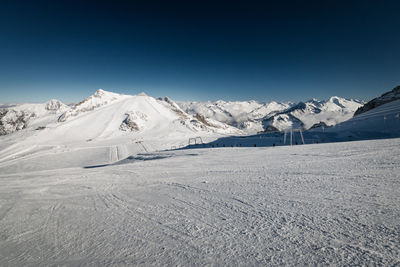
(284, 137)
(291, 136)
(302, 138)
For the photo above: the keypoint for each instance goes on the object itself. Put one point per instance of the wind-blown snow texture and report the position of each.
(328, 204)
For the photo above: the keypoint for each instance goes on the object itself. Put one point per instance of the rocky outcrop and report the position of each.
(134, 121)
(271, 128)
(318, 125)
(12, 120)
(173, 106)
(55, 105)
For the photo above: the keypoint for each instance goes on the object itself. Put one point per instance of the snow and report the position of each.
(20, 116)
(108, 125)
(253, 116)
(102, 183)
(222, 117)
(382, 120)
(378, 101)
(242, 114)
(98, 99)
(331, 112)
(307, 114)
(328, 204)
(378, 123)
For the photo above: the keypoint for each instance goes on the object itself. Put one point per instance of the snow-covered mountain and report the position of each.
(115, 114)
(252, 116)
(383, 99)
(245, 115)
(104, 127)
(137, 114)
(380, 122)
(20, 116)
(107, 127)
(312, 113)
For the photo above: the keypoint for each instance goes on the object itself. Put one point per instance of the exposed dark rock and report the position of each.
(320, 124)
(271, 128)
(203, 120)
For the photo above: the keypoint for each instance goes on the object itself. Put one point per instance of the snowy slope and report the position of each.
(379, 123)
(385, 119)
(312, 205)
(107, 115)
(383, 99)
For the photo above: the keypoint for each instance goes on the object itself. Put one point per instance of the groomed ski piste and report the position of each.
(83, 204)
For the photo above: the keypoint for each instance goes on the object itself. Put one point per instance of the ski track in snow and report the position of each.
(327, 204)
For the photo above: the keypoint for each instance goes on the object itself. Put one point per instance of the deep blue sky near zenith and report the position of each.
(198, 50)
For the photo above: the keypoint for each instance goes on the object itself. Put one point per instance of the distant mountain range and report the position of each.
(110, 114)
(107, 127)
(253, 116)
(114, 114)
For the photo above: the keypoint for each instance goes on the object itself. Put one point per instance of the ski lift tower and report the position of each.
(195, 141)
(292, 131)
(140, 144)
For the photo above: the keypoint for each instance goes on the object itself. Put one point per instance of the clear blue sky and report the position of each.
(198, 50)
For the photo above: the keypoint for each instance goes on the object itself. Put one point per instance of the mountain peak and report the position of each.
(335, 98)
(101, 93)
(98, 99)
(54, 105)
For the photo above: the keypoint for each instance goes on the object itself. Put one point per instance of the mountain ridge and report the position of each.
(385, 98)
(267, 116)
(248, 116)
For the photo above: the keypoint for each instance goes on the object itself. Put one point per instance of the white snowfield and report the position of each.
(87, 185)
(328, 204)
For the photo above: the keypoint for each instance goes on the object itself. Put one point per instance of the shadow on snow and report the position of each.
(139, 157)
